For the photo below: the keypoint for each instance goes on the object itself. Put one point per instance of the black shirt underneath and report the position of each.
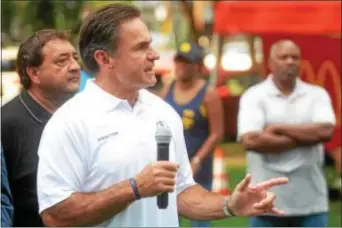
(22, 124)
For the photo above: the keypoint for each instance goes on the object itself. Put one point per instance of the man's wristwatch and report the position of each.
(226, 209)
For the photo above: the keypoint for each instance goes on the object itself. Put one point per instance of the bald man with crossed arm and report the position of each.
(282, 123)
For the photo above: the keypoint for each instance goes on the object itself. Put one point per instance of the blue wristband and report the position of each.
(137, 195)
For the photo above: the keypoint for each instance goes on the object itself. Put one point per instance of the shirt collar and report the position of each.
(299, 89)
(105, 100)
(36, 110)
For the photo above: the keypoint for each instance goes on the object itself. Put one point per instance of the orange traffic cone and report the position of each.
(220, 182)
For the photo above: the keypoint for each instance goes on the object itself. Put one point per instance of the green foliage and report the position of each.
(35, 15)
(98, 4)
(32, 15)
(68, 15)
(8, 11)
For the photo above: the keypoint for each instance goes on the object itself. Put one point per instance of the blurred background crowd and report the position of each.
(235, 58)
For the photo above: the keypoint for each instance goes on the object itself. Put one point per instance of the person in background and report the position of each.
(201, 111)
(6, 197)
(84, 78)
(282, 123)
(49, 72)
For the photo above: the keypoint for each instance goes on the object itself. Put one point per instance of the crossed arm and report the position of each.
(277, 138)
(266, 142)
(282, 137)
(305, 134)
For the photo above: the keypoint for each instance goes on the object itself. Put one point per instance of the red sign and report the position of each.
(268, 17)
(321, 65)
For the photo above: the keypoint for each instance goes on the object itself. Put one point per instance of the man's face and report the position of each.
(134, 57)
(285, 61)
(60, 71)
(184, 69)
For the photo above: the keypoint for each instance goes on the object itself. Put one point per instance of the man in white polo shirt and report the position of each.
(97, 155)
(282, 123)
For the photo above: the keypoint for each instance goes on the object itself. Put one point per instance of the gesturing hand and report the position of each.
(255, 200)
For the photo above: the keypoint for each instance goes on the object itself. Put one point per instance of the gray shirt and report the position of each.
(264, 104)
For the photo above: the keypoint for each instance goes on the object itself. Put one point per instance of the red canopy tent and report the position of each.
(295, 17)
(314, 25)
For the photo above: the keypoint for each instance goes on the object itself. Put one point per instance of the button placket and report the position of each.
(290, 110)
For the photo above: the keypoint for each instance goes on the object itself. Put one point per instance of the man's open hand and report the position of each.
(249, 200)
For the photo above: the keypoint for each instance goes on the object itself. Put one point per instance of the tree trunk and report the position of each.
(188, 9)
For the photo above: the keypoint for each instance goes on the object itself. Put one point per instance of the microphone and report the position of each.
(163, 137)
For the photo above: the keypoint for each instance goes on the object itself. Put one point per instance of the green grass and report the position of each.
(236, 174)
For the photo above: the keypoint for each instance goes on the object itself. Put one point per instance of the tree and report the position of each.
(38, 15)
(8, 13)
(45, 14)
(188, 10)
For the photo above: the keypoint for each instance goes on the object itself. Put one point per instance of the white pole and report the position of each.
(216, 52)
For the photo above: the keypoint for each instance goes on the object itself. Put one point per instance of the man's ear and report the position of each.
(33, 73)
(104, 59)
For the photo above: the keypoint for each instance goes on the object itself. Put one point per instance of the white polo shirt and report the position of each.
(264, 104)
(96, 140)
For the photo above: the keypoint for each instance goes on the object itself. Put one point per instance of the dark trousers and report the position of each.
(314, 220)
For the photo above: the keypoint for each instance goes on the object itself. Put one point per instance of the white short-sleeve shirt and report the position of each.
(264, 104)
(96, 140)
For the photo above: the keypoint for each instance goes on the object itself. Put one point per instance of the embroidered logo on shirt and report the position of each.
(107, 136)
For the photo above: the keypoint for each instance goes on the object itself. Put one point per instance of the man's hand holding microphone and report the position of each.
(157, 178)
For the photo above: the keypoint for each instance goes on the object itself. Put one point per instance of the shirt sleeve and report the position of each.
(6, 197)
(184, 176)
(323, 111)
(61, 167)
(250, 115)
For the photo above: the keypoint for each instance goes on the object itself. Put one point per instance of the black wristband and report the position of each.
(134, 186)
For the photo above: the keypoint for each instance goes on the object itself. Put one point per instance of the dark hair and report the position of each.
(100, 30)
(30, 52)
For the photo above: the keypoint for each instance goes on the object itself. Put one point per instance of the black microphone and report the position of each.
(163, 137)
